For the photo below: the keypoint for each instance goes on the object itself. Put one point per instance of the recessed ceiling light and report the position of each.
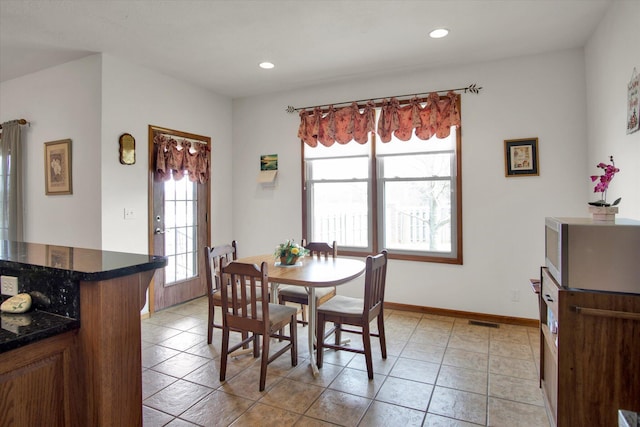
(266, 65)
(438, 33)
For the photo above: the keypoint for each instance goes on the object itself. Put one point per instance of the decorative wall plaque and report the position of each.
(127, 149)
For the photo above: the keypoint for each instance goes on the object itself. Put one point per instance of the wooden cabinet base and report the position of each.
(89, 377)
(35, 383)
(108, 384)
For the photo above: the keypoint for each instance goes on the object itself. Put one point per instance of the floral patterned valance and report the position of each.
(177, 157)
(341, 126)
(432, 116)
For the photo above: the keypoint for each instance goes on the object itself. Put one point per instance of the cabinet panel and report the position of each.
(602, 360)
(549, 378)
(34, 384)
(549, 297)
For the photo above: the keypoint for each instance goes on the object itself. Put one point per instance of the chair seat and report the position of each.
(341, 305)
(277, 313)
(300, 292)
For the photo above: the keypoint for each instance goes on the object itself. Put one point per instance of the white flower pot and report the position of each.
(603, 213)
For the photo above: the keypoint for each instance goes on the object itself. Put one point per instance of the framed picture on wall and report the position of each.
(269, 162)
(521, 157)
(57, 167)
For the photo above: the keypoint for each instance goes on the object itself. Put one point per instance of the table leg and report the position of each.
(312, 330)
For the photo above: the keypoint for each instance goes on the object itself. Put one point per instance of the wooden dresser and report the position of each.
(589, 354)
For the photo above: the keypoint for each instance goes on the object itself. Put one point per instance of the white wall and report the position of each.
(62, 102)
(539, 96)
(610, 55)
(93, 101)
(133, 98)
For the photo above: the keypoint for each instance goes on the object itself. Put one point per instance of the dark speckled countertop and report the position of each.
(52, 275)
(20, 329)
(80, 263)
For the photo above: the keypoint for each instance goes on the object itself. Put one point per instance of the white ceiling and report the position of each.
(218, 44)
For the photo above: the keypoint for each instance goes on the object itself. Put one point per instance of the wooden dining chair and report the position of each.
(246, 309)
(343, 310)
(214, 256)
(298, 294)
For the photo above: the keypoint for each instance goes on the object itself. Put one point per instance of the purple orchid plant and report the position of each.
(603, 183)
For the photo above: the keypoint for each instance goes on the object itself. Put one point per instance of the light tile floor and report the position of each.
(440, 371)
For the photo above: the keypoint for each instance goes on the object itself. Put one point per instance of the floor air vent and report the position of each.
(486, 324)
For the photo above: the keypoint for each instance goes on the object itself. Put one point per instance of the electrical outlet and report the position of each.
(9, 285)
(515, 295)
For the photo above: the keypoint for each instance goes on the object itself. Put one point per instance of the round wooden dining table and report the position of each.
(310, 272)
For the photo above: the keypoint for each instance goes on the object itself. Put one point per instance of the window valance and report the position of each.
(177, 157)
(341, 126)
(427, 117)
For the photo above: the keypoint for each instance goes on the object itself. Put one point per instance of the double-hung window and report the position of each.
(403, 196)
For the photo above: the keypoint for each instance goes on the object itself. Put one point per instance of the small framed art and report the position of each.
(269, 162)
(57, 167)
(521, 157)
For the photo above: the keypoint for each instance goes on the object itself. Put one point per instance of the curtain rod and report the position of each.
(185, 138)
(472, 88)
(20, 121)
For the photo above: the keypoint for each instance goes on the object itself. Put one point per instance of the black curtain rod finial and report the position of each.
(473, 88)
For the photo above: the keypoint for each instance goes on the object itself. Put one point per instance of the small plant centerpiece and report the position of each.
(603, 183)
(600, 209)
(289, 252)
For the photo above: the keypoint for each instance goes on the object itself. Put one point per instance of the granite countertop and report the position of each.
(78, 263)
(53, 276)
(17, 330)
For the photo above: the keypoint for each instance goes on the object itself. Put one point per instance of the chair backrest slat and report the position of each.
(246, 280)
(214, 257)
(374, 282)
(250, 282)
(322, 249)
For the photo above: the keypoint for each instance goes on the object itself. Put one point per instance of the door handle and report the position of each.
(158, 231)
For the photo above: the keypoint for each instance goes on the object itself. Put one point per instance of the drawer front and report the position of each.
(549, 292)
